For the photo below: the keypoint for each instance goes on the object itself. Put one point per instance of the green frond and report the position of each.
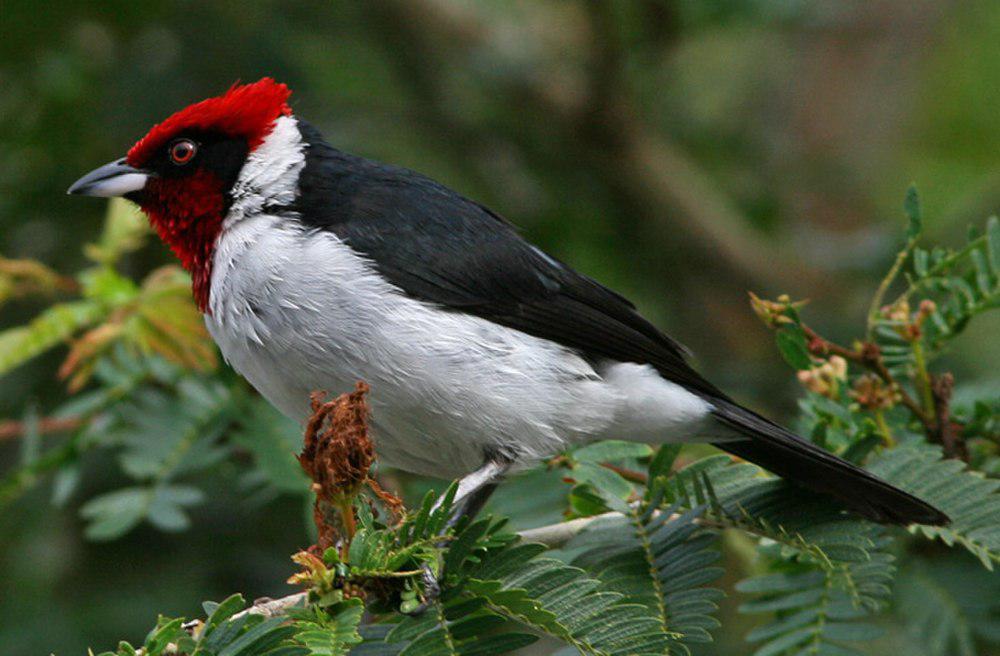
(161, 435)
(828, 569)
(49, 329)
(662, 561)
(963, 282)
(330, 631)
(496, 586)
(224, 633)
(969, 499)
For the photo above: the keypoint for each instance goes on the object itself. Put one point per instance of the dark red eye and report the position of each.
(183, 151)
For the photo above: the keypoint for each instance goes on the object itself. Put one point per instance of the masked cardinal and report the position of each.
(316, 268)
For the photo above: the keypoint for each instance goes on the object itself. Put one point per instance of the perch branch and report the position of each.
(273, 607)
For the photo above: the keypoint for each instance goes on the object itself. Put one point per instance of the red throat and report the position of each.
(188, 211)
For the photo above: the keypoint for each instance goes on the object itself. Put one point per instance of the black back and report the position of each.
(443, 248)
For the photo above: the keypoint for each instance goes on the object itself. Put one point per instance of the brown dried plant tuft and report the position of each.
(337, 455)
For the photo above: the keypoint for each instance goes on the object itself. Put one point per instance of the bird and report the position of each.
(315, 268)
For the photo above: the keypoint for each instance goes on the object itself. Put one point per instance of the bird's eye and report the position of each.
(183, 151)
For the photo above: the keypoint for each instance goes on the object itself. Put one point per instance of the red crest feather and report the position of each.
(246, 110)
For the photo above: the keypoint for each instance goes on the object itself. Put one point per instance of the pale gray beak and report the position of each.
(114, 179)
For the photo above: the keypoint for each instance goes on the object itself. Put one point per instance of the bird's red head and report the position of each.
(181, 173)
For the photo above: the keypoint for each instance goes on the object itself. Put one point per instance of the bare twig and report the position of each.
(630, 475)
(14, 429)
(556, 535)
(273, 607)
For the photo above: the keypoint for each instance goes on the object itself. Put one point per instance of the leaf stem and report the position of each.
(883, 287)
(941, 267)
(883, 428)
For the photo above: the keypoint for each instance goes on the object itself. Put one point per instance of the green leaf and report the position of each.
(612, 487)
(609, 450)
(658, 561)
(851, 631)
(260, 639)
(970, 500)
(51, 328)
(219, 613)
(921, 262)
(169, 631)
(273, 440)
(664, 460)
(792, 346)
(331, 631)
(502, 643)
(115, 513)
(781, 582)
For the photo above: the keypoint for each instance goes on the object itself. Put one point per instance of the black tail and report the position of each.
(789, 456)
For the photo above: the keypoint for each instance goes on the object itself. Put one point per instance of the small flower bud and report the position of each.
(839, 367)
(872, 393)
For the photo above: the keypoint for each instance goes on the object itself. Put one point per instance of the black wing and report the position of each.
(454, 252)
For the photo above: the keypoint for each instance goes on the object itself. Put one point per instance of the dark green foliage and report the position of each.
(947, 605)
(828, 569)
(225, 633)
(663, 562)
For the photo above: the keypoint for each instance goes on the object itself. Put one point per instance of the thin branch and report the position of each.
(273, 607)
(870, 357)
(556, 535)
(630, 475)
(14, 429)
(946, 432)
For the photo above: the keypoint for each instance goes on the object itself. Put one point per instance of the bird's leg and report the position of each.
(473, 491)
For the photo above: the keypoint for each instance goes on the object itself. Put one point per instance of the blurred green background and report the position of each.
(681, 152)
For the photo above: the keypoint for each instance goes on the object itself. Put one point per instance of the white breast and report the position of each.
(295, 311)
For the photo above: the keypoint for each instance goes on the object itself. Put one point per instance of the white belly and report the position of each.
(295, 313)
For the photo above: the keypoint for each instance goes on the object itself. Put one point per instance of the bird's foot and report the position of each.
(473, 491)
